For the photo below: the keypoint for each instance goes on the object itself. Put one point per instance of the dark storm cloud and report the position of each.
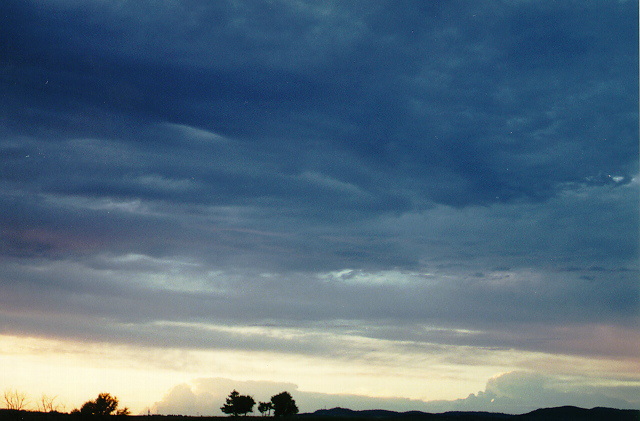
(467, 164)
(444, 106)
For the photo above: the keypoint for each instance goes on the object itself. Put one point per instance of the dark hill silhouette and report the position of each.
(381, 414)
(563, 413)
(348, 413)
(572, 413)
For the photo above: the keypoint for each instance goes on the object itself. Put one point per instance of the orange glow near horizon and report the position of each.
(76, 372)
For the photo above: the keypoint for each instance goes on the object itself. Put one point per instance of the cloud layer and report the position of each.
(513, 393)
(297, 177)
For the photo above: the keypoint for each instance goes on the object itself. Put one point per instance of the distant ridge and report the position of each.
(381, 414)
(563, 413)
(573, 413)
(367, 413)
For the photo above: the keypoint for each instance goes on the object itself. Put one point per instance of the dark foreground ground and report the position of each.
(564, 413)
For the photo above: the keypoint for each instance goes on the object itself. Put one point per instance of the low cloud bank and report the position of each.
(514, 392)
(519, 392)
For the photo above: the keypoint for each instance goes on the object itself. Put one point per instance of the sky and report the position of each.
(404, 205)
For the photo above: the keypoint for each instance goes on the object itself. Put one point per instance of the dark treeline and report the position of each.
(566, 413)
(282, 405)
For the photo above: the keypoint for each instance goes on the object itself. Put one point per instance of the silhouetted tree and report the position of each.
(48, 404)
(284, 405)
(105, 404)
(237, 404)
(123, 411)
(265, 407)
(15, 400)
